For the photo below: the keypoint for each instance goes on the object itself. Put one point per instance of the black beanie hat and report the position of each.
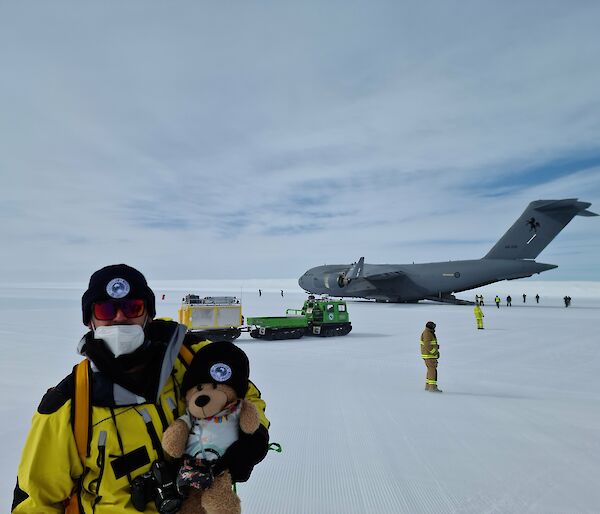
(221, 362)
(430, 325)
(115, 282)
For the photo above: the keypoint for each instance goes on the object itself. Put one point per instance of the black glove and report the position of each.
(241, 457)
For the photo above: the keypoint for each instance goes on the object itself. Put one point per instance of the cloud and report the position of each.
(267, 137)
(543, 172)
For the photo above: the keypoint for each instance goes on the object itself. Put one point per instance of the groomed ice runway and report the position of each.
(517, 429)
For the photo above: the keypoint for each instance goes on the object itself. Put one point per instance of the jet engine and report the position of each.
(355, 270)
(343, 280)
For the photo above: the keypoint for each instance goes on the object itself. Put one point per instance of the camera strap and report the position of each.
(152, 433)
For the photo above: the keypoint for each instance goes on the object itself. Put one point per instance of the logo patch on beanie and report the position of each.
(118, 288)
(220, 372)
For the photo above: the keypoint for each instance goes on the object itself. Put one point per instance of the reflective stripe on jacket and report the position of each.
(429, 345)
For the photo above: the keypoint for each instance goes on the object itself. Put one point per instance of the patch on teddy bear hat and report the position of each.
(220, 372)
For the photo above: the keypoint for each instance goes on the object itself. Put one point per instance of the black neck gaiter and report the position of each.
(138, 372)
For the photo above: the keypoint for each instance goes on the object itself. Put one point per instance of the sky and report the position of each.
(203, 140)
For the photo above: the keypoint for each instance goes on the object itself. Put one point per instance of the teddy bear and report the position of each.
(217, 415)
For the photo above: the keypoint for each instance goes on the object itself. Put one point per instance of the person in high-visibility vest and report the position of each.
(430, 353)
(478, 316)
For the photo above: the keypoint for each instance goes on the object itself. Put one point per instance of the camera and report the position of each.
(158, 484)
(196, 474)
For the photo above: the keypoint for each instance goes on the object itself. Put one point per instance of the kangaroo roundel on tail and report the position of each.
(539, 224)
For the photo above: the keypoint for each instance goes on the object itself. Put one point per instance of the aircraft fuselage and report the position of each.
(511, 257)
(413, 282)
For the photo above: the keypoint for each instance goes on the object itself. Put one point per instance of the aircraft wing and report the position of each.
(384, 276)
(357, 270)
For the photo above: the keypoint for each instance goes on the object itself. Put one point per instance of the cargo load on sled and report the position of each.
(218, 318)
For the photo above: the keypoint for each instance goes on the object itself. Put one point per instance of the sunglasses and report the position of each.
(107, 311)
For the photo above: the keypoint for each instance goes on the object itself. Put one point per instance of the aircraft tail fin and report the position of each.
(539, 224)
(356, 270)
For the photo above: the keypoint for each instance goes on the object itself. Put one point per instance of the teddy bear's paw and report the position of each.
(219, 498)
(193, 504)
(249, 417)
(175, 438)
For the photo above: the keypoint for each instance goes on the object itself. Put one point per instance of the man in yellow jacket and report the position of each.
(478, 317)
(430, 354)
(136, 371)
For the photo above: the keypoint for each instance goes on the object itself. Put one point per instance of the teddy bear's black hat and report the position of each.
(220, 362)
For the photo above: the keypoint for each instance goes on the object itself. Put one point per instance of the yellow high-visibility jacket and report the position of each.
(122, 444)
(429, 345)
(478, 312)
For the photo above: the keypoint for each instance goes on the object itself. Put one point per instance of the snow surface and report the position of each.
(517, 428)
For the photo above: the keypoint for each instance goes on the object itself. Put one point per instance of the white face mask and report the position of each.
(121, 339)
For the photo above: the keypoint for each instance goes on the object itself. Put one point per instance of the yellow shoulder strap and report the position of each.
(81, 403)
(81, 424)
(186, 354)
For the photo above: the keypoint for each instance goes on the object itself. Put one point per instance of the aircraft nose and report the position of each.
(303, 281)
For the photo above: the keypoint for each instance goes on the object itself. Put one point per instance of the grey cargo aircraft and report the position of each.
(511, 257)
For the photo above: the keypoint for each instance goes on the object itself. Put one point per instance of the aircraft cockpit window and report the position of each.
(342, 308)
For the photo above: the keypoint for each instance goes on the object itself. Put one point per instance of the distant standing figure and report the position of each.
(282, 292)
(566, 301)
(481, 300)
(508, 301)
(430, 354)
(524, 297)
(259, 292)
(476, 299)
(478, 317)
(497, 301)
(537, 298)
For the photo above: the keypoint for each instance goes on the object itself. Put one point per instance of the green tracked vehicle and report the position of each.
(322, 317)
